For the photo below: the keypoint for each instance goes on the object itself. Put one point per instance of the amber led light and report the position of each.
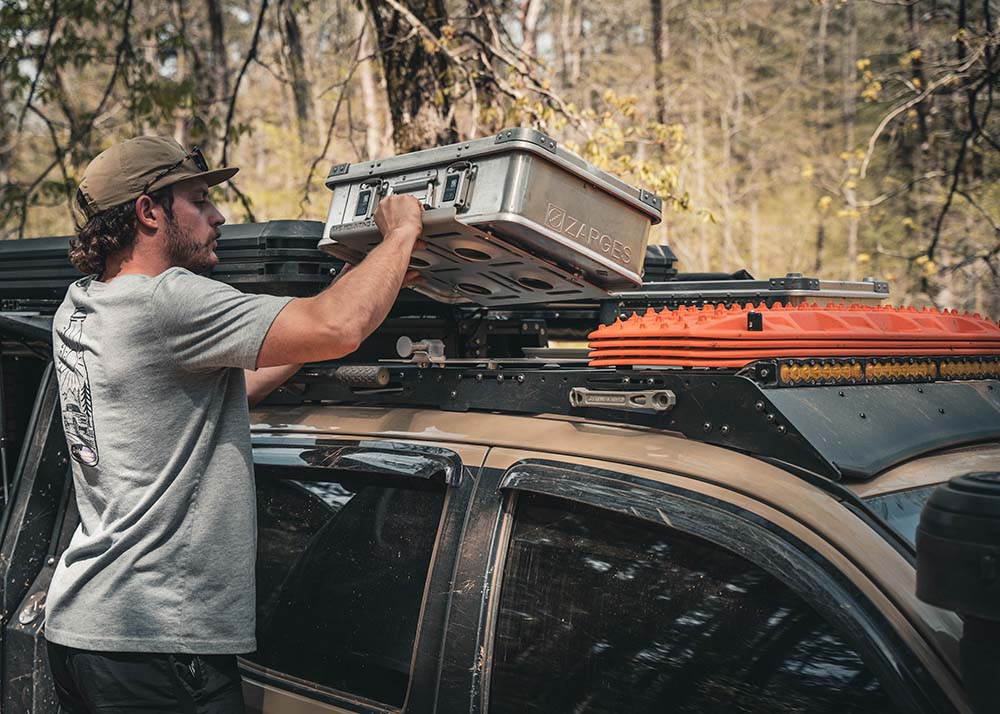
(822, 372)
(901, 370)
(983, 368)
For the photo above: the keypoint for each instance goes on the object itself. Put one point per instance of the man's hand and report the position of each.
(399, 215)
(265, 380)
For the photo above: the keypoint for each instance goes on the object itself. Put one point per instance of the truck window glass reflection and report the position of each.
(341, 568)
(604, 613)
(901, 510)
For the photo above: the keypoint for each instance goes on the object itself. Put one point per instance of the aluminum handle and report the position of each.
(648, 400)
(413, 185)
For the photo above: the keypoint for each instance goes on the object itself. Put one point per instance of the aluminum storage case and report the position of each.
(510, 219)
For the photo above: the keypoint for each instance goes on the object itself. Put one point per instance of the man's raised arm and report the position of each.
(335, 322)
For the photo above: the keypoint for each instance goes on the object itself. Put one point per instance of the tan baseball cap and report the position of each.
(141, 165)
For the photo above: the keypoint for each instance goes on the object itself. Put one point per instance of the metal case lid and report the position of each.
(522, 139)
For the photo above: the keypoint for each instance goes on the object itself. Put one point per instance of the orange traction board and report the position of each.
(716, 336)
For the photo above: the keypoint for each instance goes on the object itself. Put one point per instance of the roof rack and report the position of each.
(854, 429)
(825, 416)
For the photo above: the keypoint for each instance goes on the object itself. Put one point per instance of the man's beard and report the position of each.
(185, 252)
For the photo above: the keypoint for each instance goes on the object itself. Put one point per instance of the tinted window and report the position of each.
(340, 579)
(901, 510)
(20, 378)
(603, 613)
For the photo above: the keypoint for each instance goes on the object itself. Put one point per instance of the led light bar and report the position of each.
(880, 370)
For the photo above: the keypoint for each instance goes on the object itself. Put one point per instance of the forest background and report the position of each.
(836, 138)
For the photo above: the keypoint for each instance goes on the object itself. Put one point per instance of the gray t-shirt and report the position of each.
(155, 411)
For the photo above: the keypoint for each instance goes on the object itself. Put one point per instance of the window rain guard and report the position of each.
(381, 458)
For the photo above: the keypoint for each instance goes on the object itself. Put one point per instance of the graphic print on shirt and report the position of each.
(74, 391)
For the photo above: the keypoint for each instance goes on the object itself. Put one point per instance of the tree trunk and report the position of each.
(570, 36)
(182, 119)
(700, 163)
(821, 39)
(369, 92)
(820, 239)
(219, 68)
(660, 50)
(211, 74)
(529, 22)
(416, 74)
(849, 109)
(565, 20)
(7, 146)
(576, 45)
(821, 122)
(731, 126)
(291, 37)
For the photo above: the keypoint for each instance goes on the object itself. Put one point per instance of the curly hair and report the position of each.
(110, 231)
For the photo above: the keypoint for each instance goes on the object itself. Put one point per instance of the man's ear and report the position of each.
(144, 215)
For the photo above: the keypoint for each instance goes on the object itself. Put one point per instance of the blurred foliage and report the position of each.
(837, 138)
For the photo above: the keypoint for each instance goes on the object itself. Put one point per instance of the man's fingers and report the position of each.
(398, 211)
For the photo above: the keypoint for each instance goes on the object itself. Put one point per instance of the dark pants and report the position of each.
(131, 682)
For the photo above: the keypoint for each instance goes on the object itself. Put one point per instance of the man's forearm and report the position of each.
(386, 265)
(265, 380)
(335, 322)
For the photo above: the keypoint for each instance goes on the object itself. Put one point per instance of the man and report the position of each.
(154, 596)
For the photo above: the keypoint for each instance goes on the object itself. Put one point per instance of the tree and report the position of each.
(420, 87)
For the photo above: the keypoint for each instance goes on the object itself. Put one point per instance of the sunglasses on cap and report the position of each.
(195, 154)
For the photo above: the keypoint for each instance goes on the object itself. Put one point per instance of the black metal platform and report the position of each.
(852, 431)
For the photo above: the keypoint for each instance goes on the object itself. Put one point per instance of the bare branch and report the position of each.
(956, 174)
(329, 133)
(931, 88)
(904, 187)
(248, 211)
(60, 157)
(53, 21)
(251, 55)
(123, 46)
(982, 211)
